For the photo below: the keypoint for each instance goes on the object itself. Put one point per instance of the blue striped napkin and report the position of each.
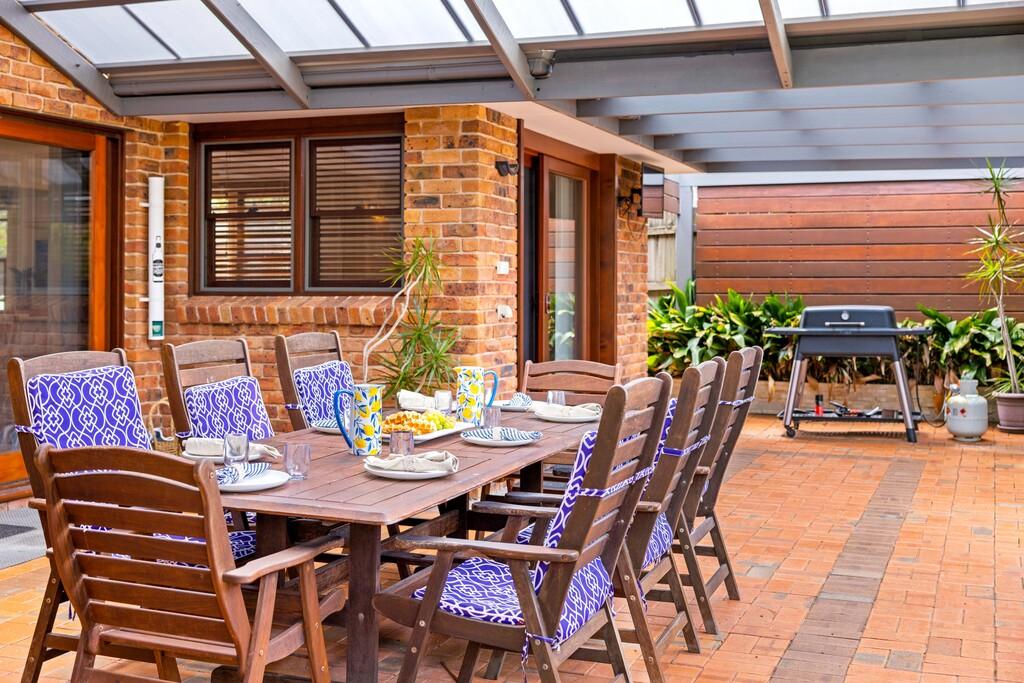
(504, 434)
(520, 400)
(231, 475)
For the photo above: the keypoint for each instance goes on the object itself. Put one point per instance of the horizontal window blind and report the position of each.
(249, 215)
(355, 211)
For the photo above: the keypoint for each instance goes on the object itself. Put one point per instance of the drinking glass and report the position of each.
(236, 452)
(402, 442)
(556, 398)
(443, 401)
(296, 460)
(492, 420)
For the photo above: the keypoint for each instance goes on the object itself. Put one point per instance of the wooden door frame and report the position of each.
(106, 263)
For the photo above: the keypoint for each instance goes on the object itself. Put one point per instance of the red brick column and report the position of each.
(631, 273)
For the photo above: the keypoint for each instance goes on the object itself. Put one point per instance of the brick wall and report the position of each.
(631, 293)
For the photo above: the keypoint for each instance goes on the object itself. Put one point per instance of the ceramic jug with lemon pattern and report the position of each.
(469, 394)
(361, 424)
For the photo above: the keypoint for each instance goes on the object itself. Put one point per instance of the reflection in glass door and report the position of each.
(46, 230)
(564, 223)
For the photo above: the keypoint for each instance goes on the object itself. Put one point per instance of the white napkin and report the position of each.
(411, 400)
(582, 410)
(431, 461)
(214, 448)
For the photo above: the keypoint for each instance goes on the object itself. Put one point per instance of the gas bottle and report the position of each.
(966, 411)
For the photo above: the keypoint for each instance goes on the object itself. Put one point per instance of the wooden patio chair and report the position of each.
(73, 399)
(202, 378)
(646, 561)
(699, 521)
(46, 643)
(311, 369)
(583, 381)
(139, 542)
(494, 598)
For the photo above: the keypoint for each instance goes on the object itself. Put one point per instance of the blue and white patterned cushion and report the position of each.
(316, 387)
(96, 407)
(482, 589)
(661, 541)
(231, 406)
(243, 544)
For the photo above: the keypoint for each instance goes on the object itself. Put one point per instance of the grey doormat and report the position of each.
(21, 537)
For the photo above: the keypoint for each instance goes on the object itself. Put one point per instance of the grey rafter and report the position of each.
(53, 5)
(859, 152)
(869, 117)
(262, 47)
(504, 44)
(573, 18)
(955, 91)
(694, 12)
(348, 22)
(778, 41)
(939, 135)
(463, 29)
(73, 65)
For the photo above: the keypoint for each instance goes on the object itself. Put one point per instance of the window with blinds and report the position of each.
(355, 212)
(248, 215)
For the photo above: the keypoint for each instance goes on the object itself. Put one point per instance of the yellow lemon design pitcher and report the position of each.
(469, 396)
(360, 425)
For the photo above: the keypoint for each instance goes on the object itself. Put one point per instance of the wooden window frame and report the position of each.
(302, 132)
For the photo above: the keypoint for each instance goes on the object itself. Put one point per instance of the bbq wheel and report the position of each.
(790, 432)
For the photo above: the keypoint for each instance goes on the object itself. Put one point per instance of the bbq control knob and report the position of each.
(845, 315)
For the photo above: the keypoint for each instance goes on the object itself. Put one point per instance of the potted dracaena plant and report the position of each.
(999, 269)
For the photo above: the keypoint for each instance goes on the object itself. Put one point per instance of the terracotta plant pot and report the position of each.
(1010, 408)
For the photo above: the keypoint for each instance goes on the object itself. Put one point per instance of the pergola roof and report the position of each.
(719, 85)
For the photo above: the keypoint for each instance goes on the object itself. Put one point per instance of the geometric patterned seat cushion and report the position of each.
(316, 386)
(95, 407)
(243, 544)
(231, 406)
(661, 541)
(482, 589)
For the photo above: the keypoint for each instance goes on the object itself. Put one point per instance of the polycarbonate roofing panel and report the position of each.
(798, 9)
(537, 18)
(729, 12)
(866, 6)
(302, 25)
(601, 16)
(400, 22)
(188, 28)
(106, 35)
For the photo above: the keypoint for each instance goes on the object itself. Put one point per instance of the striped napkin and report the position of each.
(520, 400)
(501, 434)
(233, 475)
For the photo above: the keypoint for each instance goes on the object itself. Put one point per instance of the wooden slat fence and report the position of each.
(898, 243)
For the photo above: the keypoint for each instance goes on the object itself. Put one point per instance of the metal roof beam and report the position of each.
(58, 53)
(848, 136)
(956, 91)
(54, 5)
(855, 165)
(504, 44)
(778, 41)
(256, 40)
(858, 152)
(873, 117)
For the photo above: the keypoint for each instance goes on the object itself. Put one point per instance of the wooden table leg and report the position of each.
(271, 534)
(364, 583)
(531, 477)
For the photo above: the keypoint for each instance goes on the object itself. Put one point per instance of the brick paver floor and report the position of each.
(860, 558)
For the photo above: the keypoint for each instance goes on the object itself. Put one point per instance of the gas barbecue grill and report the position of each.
(845, 332)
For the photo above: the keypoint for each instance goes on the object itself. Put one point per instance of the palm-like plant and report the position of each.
(1000, 259)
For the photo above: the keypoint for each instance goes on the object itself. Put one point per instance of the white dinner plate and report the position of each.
(472, 436)
(568, 419)
(420, 438)
(327, 429)
(404, 476)
(219, 459)
(268, 480)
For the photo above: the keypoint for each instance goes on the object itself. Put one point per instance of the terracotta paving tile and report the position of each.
(858, 559)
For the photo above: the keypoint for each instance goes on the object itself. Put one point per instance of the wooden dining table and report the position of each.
(339, 490)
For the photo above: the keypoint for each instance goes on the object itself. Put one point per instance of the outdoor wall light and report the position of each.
(506, 168)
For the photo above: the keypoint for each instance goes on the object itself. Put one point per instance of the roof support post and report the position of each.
(504, 44)
(73, 65)
(779, 42)
(263, 48)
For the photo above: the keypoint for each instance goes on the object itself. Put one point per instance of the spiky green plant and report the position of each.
(1000, 259)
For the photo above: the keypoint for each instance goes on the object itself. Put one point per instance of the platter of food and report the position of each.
(424, 426)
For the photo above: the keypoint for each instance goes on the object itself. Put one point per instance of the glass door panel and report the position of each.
(562, 251)
(45, 228)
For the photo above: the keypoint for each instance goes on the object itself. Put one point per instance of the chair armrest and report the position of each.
(283, 559)
(494, 507)
(492, 549)
(37, 503)
(648, 506)
(532, 498)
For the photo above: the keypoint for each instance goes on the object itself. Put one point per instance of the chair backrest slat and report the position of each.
(597, 522)
(133, 568)
(582, 381)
